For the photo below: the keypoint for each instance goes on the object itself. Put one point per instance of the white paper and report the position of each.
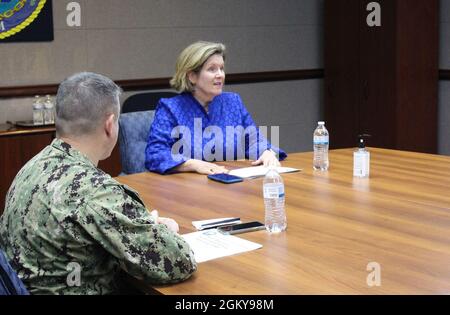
(211, 244)
(198, 224)
(257, 171)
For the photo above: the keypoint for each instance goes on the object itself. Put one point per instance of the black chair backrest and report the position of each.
(144, 101)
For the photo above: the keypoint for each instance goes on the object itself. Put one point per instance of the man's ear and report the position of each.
(109, 124)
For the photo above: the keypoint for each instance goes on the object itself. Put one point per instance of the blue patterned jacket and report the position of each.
(182, 130)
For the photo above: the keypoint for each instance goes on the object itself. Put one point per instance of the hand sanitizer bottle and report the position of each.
(361, 159)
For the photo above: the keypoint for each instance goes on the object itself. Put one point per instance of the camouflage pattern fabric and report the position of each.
(69, 228)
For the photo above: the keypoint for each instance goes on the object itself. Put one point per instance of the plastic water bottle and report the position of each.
(38, 111)
(49, 116)
(320, 143)
(273, 188)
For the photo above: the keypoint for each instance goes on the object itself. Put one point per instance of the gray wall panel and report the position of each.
(16, 109)
(444, 86)
(284, 48)
(41, 63)
(109, 51)
(249, 50)
(117, 14)
(284, 12)
(444, 118)
(297, 137)
(201, 13)
(444, 11)
(444, 51)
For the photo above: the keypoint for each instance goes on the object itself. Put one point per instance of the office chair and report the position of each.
(144, 101)
(138, 112)
(10, 283)
(133, 132)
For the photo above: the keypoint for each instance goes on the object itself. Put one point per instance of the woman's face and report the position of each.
(210, 80)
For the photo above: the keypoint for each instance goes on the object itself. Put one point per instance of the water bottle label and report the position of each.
(273, 192)
(361, 164)
(320, 139)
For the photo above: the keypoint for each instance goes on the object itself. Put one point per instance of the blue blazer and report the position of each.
(182, 130)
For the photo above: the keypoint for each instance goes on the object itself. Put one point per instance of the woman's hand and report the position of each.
(201, 167)
(268, 158)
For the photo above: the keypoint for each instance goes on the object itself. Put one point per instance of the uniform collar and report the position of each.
(69, 150)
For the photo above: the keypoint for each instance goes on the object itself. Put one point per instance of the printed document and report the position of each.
(211, 244)
(257, 171)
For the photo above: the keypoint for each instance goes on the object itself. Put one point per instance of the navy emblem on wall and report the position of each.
(26, 20)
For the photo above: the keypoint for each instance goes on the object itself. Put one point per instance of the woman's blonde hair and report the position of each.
(192, 59)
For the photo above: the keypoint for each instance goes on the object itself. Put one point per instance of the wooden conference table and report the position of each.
(399, 218)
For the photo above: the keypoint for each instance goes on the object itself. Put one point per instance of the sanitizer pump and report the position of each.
(361, 159)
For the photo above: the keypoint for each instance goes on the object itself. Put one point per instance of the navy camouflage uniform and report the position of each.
(63, 215)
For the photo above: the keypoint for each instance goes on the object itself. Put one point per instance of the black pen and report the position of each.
(219, 222)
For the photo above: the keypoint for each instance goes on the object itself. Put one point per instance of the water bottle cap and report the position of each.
(321, 123)
(48, 104)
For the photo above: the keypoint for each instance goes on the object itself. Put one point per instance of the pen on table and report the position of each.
(219, 222)
(216, 226)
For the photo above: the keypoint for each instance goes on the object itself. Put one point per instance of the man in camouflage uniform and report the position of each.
(68, 227)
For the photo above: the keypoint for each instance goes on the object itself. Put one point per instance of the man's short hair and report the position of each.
(83, 102)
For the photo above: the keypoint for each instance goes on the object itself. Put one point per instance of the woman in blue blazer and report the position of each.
(203, 124)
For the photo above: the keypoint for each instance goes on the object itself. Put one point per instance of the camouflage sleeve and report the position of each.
(116, 218)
